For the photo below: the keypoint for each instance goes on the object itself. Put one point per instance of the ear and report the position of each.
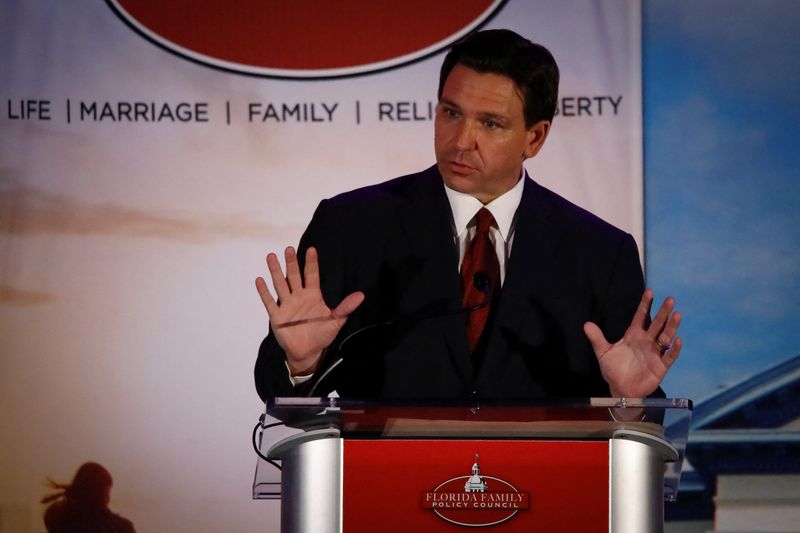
(537, 134)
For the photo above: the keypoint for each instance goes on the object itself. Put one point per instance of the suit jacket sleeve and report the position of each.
(625, 289)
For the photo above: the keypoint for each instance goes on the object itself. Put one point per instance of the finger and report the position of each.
(595, 335)
(293, 269)
(642, 314)
(660, 320)
(672, 354)
(312, 268)
(278, 279)
(266, 296)
(349, 304)
(670, 329)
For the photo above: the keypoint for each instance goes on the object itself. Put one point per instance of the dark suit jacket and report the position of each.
(394, 241)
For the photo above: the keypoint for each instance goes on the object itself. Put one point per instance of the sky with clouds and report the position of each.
(722, 187)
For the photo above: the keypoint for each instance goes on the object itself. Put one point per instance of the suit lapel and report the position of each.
(427, 222)
(530, 274)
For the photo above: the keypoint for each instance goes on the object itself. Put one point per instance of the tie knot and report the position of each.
(483, 221)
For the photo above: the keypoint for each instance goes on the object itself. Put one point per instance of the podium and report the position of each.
(592, 465)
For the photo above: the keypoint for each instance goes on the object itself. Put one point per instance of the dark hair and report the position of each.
(530, 66)
(89, 487)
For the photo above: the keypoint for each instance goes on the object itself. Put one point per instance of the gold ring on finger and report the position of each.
(663, 347)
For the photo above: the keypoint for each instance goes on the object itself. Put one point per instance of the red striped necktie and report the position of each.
(480, 258)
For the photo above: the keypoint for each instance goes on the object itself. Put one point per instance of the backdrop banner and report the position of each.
(151, 155)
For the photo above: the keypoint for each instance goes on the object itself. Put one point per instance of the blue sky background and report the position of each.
(722, 182)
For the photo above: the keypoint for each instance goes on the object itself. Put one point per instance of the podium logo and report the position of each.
(475, 500)
(311, 39)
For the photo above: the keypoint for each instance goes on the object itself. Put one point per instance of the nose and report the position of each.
(465, 136)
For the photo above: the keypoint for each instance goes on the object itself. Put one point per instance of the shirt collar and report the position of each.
(503, 208)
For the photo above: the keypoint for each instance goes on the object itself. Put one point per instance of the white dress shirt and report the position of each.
(503, 209)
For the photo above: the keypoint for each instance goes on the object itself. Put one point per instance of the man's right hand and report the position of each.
(302, 323)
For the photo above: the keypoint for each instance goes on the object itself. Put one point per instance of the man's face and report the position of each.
(480, 135)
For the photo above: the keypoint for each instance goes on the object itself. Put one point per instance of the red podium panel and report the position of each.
(494, 485)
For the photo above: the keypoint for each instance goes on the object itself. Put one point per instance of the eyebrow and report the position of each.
(448, 103)
(495, 117)
(483, 115)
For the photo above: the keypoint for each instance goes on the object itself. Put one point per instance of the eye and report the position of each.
(451, 113)
(491, 124)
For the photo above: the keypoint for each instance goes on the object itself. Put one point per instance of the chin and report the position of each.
(459, 183)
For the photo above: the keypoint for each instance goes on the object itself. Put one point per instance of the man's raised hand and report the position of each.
(302, 323)
(634, 366)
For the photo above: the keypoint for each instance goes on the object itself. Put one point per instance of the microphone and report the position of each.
(480, 280)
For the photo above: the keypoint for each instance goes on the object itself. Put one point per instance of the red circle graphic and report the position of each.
(305, 38)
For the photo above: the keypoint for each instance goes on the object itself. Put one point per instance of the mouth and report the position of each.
(460, 168)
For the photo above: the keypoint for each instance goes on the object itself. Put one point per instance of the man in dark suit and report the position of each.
(467, 280)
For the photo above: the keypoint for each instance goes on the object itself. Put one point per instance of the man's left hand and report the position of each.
(635, 366)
